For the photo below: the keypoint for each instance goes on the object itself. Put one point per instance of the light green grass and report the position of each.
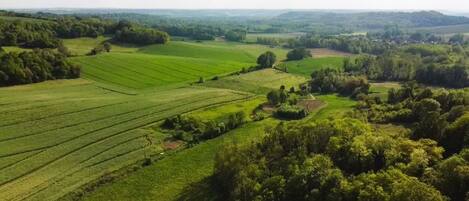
(213, 113)
(381, 89)
(140, 71)
(82, 46)
(306, 66)
(15, 49)
(59, 135)
(259, 82)
(336, 106)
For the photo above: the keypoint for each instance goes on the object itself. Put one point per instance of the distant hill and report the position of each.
(374, 20)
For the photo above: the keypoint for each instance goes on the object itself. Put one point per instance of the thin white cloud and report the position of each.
(243, 4)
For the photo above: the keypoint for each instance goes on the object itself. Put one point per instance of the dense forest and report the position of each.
(46, 33)
(35, 66)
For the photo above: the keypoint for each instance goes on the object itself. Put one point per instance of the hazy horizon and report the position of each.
(448, 5)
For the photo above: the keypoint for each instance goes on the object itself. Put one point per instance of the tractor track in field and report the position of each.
(141, 74)
(104, 118)
(158, 70)
(62, 114)
(2, 184)
(60, 177)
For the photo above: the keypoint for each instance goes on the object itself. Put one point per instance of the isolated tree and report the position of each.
(267, 59)
(298, 54)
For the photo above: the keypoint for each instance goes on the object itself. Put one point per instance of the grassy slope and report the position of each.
(259, 82)
(80, 131)
(213, 50)
(161, 65)
(142, 71)
(306, 66)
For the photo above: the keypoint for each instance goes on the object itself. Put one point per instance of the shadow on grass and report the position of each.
(200, 191)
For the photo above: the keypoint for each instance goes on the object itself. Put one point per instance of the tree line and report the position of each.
(41, 33)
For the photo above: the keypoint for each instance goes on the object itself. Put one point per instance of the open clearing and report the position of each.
(306, 66)
(259, 82)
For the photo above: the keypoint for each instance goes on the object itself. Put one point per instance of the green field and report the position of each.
(140, 71)
(162, 65)
(306, 66)
(230, 51)
(182, 176)
(259, 82)
(80, 131)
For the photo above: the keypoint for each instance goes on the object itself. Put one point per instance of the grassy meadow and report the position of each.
(306, 66)
(258, 82)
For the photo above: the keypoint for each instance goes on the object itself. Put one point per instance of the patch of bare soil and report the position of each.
(325, 52)
(310, 105)
(266, 107)
(172, 144)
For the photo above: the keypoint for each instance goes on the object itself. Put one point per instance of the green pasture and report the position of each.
(306, 66)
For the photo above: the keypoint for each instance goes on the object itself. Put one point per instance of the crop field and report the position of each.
(139, 71)
(306, 66)
(259, 82)
(79, 131)
(229, 51)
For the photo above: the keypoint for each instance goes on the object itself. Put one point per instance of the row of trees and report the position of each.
(35, 66)
(193, 130)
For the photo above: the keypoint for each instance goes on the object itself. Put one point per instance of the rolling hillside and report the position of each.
(81, 131)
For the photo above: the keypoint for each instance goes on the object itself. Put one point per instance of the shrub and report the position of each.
(287, 111)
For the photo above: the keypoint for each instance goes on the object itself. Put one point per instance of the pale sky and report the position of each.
(457, 5)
